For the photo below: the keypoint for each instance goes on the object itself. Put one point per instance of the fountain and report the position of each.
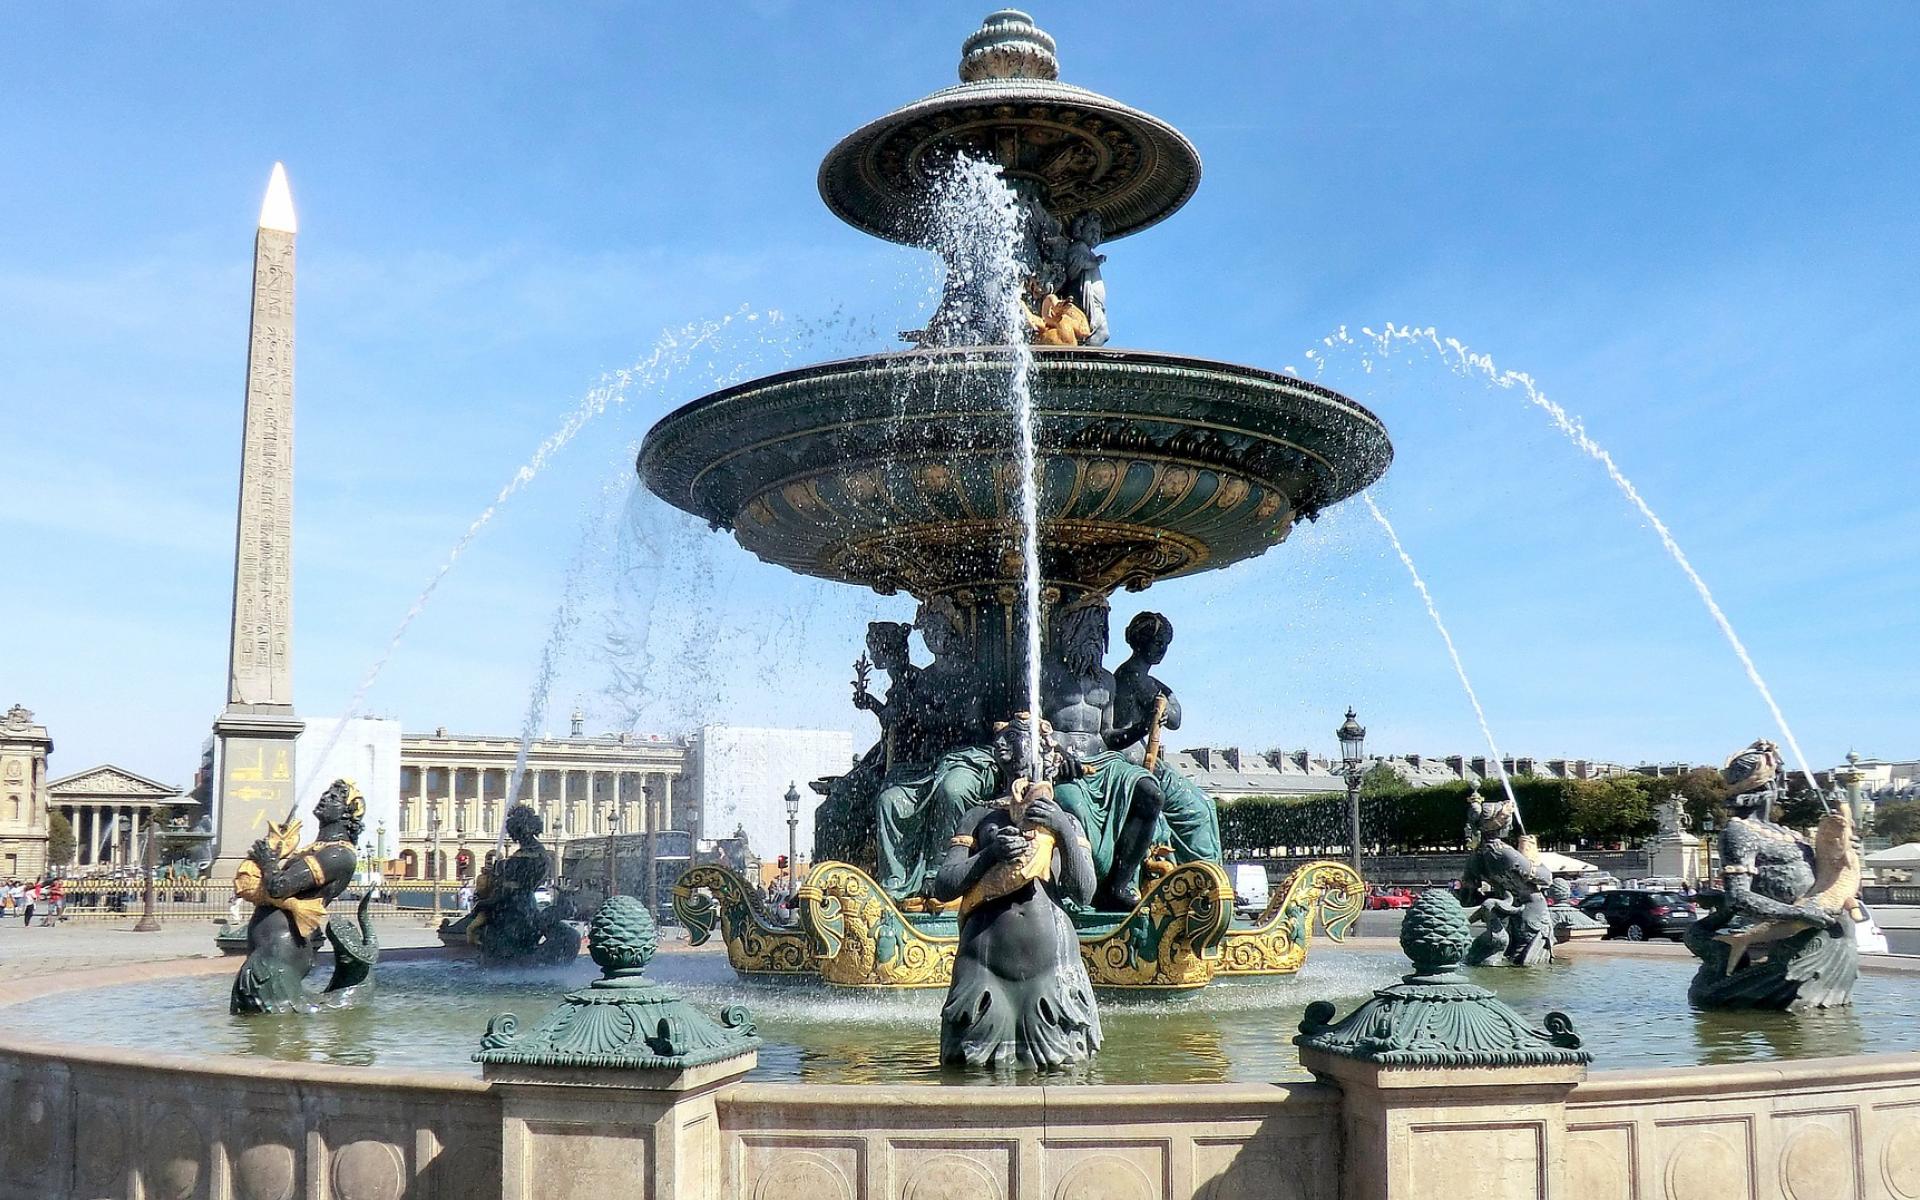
(1011, 487)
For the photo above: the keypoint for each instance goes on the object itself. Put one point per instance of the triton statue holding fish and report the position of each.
(1783, 936)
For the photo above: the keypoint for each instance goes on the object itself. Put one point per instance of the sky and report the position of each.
(1693, 226)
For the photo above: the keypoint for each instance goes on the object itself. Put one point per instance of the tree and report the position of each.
(1898, 821)
(60, 840)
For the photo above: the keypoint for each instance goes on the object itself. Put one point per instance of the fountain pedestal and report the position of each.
(613, 1093)
(1445, 1091)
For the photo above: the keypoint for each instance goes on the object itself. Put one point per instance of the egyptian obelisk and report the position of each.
(256, 731)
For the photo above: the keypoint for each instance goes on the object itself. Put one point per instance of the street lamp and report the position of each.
(1353, 756)
(793, 838)
(613, 827)
(148, 922)
(433, 858)
(650, 829)
(1710, 830)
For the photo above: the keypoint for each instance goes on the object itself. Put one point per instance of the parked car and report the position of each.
(1638, 915)
(1389, 897)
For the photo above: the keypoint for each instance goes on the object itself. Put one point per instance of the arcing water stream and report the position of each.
(1420, 585)
(1458, 357)
(982, 227)
(672, 351)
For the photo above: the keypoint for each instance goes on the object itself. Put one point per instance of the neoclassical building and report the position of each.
(575, 783)
(24, 747)
(110, 810)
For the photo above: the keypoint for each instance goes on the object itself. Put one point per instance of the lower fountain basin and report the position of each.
(428, 1014)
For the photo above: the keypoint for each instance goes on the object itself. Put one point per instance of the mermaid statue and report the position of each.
(289, 889)
(1020, 994)
(1509, 888)
(1782, 937)
(507, 921)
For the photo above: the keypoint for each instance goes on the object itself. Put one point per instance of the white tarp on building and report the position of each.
(367, 752)
(744, 775)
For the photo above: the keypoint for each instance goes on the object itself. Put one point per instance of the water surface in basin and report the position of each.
(1631, 1010)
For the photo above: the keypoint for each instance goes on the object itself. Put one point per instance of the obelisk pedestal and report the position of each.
(254, 761)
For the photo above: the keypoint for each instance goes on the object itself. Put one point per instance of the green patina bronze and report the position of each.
(1435, 1017)
(621, 1020)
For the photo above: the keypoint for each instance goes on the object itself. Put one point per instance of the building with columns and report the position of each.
(574, 783)
(24, 747)
(109, 809)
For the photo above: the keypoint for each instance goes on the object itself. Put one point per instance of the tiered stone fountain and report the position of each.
(898, 471)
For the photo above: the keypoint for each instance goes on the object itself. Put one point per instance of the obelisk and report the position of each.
(256, 731)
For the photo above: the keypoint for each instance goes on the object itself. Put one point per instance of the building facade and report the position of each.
(24, 747)
(110, 810)
(453, 795)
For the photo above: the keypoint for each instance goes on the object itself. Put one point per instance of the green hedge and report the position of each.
(1397, 819)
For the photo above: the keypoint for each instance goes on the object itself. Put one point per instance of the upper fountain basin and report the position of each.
(898, 470)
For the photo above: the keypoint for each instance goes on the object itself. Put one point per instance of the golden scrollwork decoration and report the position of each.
(710, 896)
(1172, 940)
(1277, 942)
(860, 938)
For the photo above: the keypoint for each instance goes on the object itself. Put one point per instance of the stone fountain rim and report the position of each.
(1043, 357)
(1599, 1084)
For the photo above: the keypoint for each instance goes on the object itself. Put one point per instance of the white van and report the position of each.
(1249, 888)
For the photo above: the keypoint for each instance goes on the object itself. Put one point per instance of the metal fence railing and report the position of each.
(203, 900)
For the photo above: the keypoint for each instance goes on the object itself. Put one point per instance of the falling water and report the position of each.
(980, 225)
(1467, 362)
(1459, 668)
(672, 351)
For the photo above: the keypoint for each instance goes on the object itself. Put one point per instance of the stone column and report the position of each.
(666, 802)
(632, 1118)
(113, 835)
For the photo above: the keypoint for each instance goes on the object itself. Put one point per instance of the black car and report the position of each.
(1637, 916)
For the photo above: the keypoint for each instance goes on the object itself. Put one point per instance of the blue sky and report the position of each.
(1693, 225)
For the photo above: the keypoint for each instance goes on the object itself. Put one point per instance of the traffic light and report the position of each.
(783, 862)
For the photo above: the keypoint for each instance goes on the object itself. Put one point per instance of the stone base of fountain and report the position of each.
(1181, 936)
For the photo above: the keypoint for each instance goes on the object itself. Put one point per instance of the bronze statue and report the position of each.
(507, 921)
(1782, 937)
(1020, 993)
(1143, 706)
(934, 772)
(1118, 801)
(1510, 890)
(289, 889)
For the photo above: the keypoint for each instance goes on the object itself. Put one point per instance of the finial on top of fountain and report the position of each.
(1008, 45)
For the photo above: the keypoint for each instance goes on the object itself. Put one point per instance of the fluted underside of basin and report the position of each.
(897, 470)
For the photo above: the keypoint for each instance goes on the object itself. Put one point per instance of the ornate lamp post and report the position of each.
(1709, 842)
(1353, 757)
(613, 827)
(793, 838)
(650, 826)
(148, 922)
(433, 858)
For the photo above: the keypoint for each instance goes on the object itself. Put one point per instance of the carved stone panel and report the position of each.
(801, 1168)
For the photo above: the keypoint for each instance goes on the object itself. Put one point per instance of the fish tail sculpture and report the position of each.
(1836, 887)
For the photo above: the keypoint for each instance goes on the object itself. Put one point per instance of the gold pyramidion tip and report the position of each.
(276, 212)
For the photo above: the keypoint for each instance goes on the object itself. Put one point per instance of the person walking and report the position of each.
(11, 899)
(33, 902)
(57, 897)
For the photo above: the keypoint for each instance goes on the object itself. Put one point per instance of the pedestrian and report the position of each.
(57, 896)
(12, 897)
(33, 902)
